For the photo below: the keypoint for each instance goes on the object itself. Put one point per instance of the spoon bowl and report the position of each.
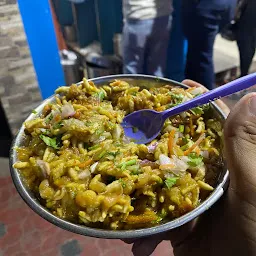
(142, 124)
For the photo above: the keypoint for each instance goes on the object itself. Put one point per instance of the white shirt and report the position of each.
(146, 9)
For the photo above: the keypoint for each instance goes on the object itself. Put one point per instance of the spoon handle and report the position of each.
(222, 91)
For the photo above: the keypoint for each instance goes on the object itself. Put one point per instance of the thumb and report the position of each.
(240, 146)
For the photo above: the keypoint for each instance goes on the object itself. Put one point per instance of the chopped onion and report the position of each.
(186, 98)
(117, 132)
(169, 128)
(185, 159)
(181, 166)
(67, 110)
(152, 147)
(183, 115)
(180, 135)
(176, 165)
(101, 138)
(78, 124)
(196, 90)
(169, 175)
(163, 159)
(84, 174)
(177, 135)
(126, 140)
(45, 167)
(93, 167)
(205, 154)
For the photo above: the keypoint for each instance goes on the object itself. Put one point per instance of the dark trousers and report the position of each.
(246, 37)
(202, 20)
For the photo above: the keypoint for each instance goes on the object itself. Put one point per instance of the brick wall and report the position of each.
(19, 92)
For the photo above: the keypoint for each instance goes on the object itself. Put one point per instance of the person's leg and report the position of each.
(246, 43)
(135, 34)
(200, 29)
(246, 37)
(157, 44)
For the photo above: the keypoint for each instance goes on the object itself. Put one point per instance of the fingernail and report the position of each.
(252, 105)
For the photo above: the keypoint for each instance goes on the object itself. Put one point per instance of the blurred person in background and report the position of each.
(146, 33)
(246, 35)
(202, 20)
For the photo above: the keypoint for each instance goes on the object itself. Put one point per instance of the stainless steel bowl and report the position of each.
(34, 204)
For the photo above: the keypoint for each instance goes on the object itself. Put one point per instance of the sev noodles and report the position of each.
(83, 169)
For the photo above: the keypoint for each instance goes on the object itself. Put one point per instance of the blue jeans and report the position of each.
(202, 20)
(145, 44)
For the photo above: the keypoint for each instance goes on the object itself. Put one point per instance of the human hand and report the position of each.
(229, 228)
(220, 103)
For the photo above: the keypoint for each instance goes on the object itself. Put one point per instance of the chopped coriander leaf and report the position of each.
(194, 159)
(206, 107)
(110, 155)
(46, 131)
(100, 95)
(88, 123)
(197, 111)
(170, 182)
(181, 128)
(161, 216)
(134, 168)
(51, 142)
(171, 105)
(185, 139)
(94, 147)
(187, 145)
(215, 125)
(128, 163)
(34, 111)
(58, 125)
(122, 183)
(135, 172)
(177, 97)
(102, 154)
(113, 153)
(157, 221)
(49, 118)
(99, 131)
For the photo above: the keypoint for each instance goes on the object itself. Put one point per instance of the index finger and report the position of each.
(192, 83)
(220, 103)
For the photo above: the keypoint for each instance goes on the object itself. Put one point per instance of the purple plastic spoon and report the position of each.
(144, 125)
